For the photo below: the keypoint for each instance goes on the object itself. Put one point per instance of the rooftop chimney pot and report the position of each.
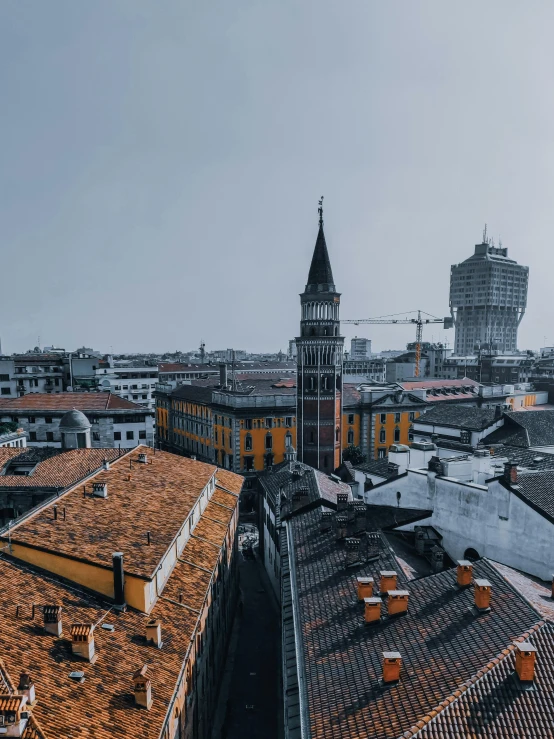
(52, 616)
(142, 688)
(341, 527)
(82, 641)
(365, 588)
(392, 662)
(100, 489)
(397, 602)
(342, 501)
(464, 573)
(387, 580)
(352, 551)
(154, 632)
(526, 655)
(372, 610)
(143, 458)
(26, 687)
(482, 594)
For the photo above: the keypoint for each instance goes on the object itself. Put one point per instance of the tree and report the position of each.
(353, 454)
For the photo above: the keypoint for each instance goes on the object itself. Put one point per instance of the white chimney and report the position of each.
(82, 641)
(100, 489)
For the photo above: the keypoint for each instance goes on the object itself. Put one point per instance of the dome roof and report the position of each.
(74, 421)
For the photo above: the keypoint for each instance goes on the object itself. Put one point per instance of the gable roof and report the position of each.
(532, 428)
(62, 402)
(441, 640)
(459, 416)
(293, 476)
(536, 488)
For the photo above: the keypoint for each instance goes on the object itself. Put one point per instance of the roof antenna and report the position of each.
(320, 211)
(485, 235)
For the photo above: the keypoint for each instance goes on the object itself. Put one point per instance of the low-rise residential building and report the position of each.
(125, 626)
(132, 383)
(491, 368)
(114, 422)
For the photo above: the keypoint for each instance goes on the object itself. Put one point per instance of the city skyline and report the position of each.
(140, 192)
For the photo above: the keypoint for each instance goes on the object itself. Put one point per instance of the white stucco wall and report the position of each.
(488, 518)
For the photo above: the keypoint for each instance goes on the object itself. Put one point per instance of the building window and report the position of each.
(117, 435)
(216, 436)
(381, 453)
(5, 391)
(31, 419)
(33, 436)
(288, 440)
(247, 423)
(350, 436)
(269, 423)
(49, 436)
(397, 434)
(269, 441)
(248, 443)
(95, 436)
(397, 417)
(350, 418)
(142, 434)
(248, 463)
(268, 461)
(48, 419)
(382, 436)
(383, 418)
(288, 421)
(411, 416)
(129, 435)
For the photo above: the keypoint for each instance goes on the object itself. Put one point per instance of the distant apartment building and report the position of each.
(113, 421)
(132, 383)
(370, 370)
(360, 348)
(491, 368)
(488, 297)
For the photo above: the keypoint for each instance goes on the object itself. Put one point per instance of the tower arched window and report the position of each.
(248, 443)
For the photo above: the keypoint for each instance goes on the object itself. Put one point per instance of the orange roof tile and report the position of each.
(230, 481)
(67, 402)
(60, 470)
(156, 497)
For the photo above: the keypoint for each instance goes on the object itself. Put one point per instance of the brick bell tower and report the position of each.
(319, 364)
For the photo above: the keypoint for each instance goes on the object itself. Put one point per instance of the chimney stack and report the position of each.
(510, 473)
(223, 375)
(326, 521)
(154, 632)
(142, 688)
(360, 517)
(372, 610)
(14, 715)
(482, 595)
(464, 573)
(82, 641)
(387, 581)
(342, 502)
(106, 464)
(26, 687)
(341, 523)
(352, 551)
(100, 489)
(437, 558)
(118, 581)
(397, 602)
(300, 498)
(52, 616)
(365, 588)
(143, 458)
(392, 662)
(525, 661)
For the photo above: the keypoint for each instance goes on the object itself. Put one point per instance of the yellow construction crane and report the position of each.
(419, 322)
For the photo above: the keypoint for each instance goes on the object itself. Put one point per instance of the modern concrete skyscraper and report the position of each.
(319, 351)
(488, 296)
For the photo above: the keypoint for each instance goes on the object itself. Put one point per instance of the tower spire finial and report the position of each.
(485, 235)
(320, 211)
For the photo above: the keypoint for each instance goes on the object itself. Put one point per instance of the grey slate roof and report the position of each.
(524, 429)
(458, 416)
(537, 488)
(378, 467)
(292, 476)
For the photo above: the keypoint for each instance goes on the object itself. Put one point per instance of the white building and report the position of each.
(136, 384)
(360, 348)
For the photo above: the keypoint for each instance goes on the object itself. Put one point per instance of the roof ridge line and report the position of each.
(491, 563)
(467, 685)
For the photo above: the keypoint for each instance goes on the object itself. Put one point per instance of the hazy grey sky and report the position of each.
(162, 160)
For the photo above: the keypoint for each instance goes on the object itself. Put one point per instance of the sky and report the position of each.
(161, 164)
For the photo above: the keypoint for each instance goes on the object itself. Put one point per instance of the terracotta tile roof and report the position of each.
(103, 706)
(438, 384)
(62, 402)
(55, 469)
(223, 497)
(157, 498)
(494, 703)
(441, 640)
(229, 481)
(531, 588)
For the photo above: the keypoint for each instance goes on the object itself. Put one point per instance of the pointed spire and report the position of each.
(320, 277)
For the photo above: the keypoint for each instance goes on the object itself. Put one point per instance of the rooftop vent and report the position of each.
(154, 632)
(525, 661)
(100, 489)
(397, 602)
(365, 588)
(464, 573)
(143, 458)
(52, 616)
(392, 662)
(142, 688)
(106, 464)
(387, 581)
(82, 641)
(372, 610)
(482, 594)
(26, 687)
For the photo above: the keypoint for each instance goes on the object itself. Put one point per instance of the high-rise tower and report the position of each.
(319, 361)
(488, 296)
